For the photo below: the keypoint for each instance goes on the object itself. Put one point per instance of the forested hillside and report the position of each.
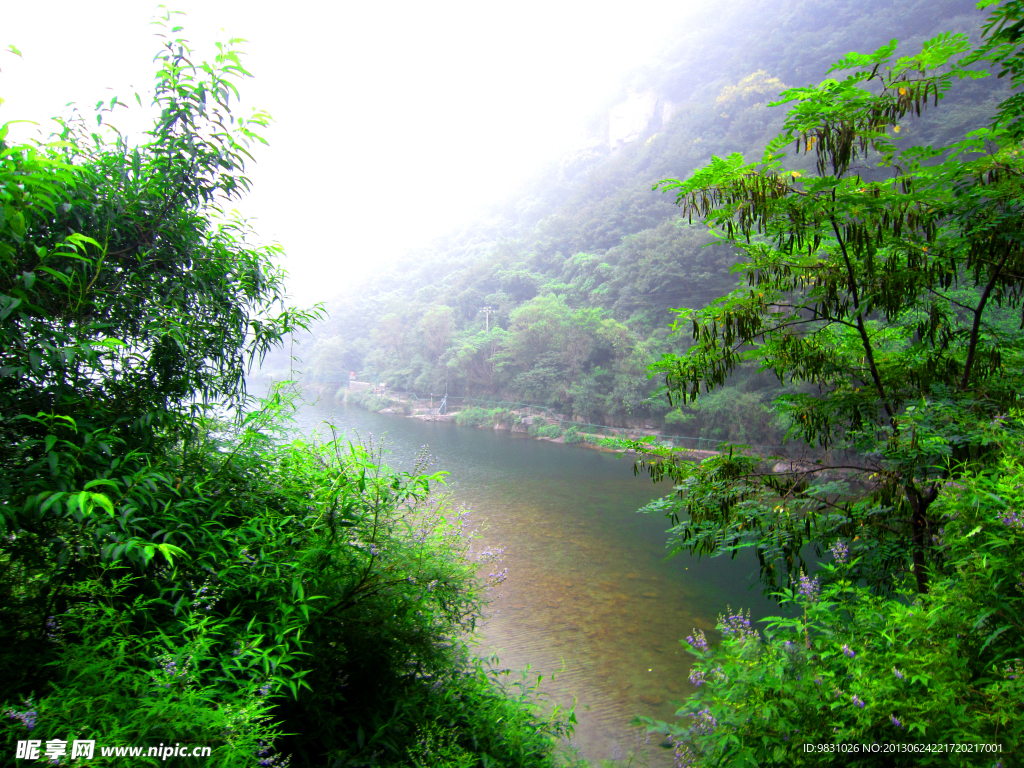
(562, 296)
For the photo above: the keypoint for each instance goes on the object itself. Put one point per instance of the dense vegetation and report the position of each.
(581, 269)
(891, 278)
(173, 571)
(175, 566)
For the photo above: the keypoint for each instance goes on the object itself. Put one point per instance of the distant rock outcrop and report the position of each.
(629, 120)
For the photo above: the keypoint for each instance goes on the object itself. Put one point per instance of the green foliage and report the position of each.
(845, 666)
(878, 290)
(475, 416)
(371, 401)
(166, 575)
(728, 414)
(1003, 31)
(886, 282)
(343, 594)
(120, 687)
(546, 430)
(572, 434)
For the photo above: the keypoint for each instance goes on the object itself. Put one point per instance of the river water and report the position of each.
(590, 595)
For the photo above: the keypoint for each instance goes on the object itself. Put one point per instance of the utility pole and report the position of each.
(486, 311)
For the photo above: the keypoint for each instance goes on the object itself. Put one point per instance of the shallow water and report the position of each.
(590, 595)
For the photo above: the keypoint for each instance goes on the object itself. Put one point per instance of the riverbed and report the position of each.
(591, 596)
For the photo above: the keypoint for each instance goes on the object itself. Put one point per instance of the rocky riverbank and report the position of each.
(539, 424)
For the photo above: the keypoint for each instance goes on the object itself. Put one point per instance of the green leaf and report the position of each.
(169, 551)
(103, 501)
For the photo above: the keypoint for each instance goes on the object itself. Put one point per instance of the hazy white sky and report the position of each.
(394, 121)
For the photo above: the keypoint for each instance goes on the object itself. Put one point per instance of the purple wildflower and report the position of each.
(490, 555)
(28, 717)
(737, 625)
(857, 701)
(1015, 671)
(697, 677)
(697, 640)
(839, 552)
(809, 588)
(848, 651)
(1013, 520)
(896, 721)
(54, 631)
(706, 722)
(267, 760)
(683, 756)
(899, 675)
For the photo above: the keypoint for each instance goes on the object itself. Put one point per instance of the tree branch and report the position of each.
(861, 329)
(972, 345)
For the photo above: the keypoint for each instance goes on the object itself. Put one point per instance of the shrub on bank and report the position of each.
(300, 589)
(545, 430)
(366, 399)
(475, 416)
(853, 668)
(572, 434)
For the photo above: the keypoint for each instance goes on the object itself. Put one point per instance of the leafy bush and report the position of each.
(367, 399)
(475, 416)
(332, 610)
(679, 418)
(544, 430)
(169, 576)
(572, 434)
(847, 666)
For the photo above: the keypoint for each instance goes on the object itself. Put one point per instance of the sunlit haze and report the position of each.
(394, 122)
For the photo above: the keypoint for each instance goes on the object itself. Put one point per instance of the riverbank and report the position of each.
(530, 421)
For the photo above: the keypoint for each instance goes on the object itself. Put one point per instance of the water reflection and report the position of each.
(590, 595)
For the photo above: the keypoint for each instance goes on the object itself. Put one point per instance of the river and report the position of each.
(590, 596)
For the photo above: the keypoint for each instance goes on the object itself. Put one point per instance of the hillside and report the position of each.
(563, 295)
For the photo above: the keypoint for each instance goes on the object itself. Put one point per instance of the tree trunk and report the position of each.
(920, 530)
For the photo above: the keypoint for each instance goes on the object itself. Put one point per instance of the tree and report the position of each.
(167, 565)
(436, 327)
(390, 334)
(883, 287)
(131, 304)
